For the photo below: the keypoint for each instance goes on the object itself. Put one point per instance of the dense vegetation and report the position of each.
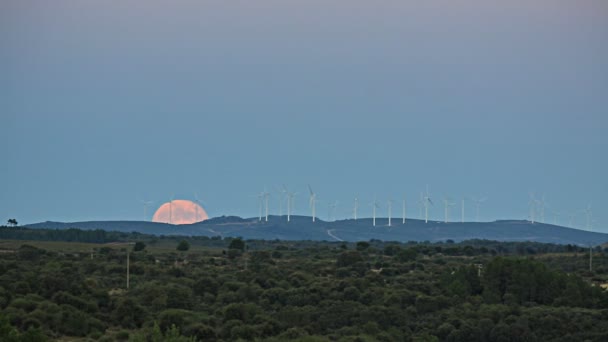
(307, 291)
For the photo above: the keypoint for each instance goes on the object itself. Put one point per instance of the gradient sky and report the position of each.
(104, 103)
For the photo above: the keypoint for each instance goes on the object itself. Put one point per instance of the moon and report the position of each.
(180, 212)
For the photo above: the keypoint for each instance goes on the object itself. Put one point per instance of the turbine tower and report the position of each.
(462, 210)
(556, 217)
(426, 201)
(374, 207)
(588, 215)
(282, 192)
(171, 210)
(260, 197)
(266, 197)
(421, 206)
(542, 209)
(478, 202)
(198, 202)
(447, 203)
(146, 204)
(331, 214)
(389, 205)
(403, 221)
(532, 207)
(312, 202)
(290, 198)
(356, 208)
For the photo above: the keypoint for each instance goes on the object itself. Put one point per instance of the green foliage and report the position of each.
(183, 246)
(362, 245)
(237, 243)
(139, 246)
(315, 291)
(348, 258)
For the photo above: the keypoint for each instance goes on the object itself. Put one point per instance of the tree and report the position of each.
(139, 246)
(183, 246)
(237, 243)
(12, 222)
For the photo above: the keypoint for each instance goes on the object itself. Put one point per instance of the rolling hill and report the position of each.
(302, 228)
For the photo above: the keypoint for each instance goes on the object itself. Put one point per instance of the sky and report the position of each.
(107, 103)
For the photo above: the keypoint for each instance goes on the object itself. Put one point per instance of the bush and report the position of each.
(183, 246)
(139, 246)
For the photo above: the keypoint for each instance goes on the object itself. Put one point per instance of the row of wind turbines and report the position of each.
(424, 202)
(536, 214)
(539, 206)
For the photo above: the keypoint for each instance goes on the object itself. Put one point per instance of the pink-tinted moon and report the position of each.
(180, 212)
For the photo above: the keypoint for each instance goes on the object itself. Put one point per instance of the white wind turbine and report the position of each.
(282, 194)
(462, 210)
(447, 203)
(542, 203)
(556, 215)
(356, 207)
(146, 204)
(426, 201)
(290, 199)
(421, 206)
(588, 216)
(266, 197)
(171, 210)
(389, 205)
(375, 206)
(571, 219)
(260, 198)
(331, 208)
(404, 207)
(478, 202)
(312, 202)
(198, 202)
(532, 207)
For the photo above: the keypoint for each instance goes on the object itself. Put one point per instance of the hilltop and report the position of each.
(302, 228)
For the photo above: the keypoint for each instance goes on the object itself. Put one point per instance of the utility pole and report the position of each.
(590, 258)
(128, 264)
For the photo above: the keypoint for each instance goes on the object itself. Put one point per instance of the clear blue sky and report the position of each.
(105, 103)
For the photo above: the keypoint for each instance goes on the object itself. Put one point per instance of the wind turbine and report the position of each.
(312, 202)
(266, 197)
(556, 216)
(420, 206)
(462, 211)
(447, 203)
(374, 205)
(171, 210)
(403, 222)
(198, 202)
(532, 206)
(426, 201)
(478, 202)
(356, 208)
(260, 197)
(282, 192)
(588, 215)
(146, 204)
(542, 208)
(290, 198)
(332, 211)
(389, 205)
(571, 220)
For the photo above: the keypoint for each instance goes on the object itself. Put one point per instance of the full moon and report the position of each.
(180, 212)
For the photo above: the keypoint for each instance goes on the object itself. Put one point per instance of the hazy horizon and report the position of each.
(106, 104)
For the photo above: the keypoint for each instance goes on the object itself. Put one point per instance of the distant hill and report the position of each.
(302, 228)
